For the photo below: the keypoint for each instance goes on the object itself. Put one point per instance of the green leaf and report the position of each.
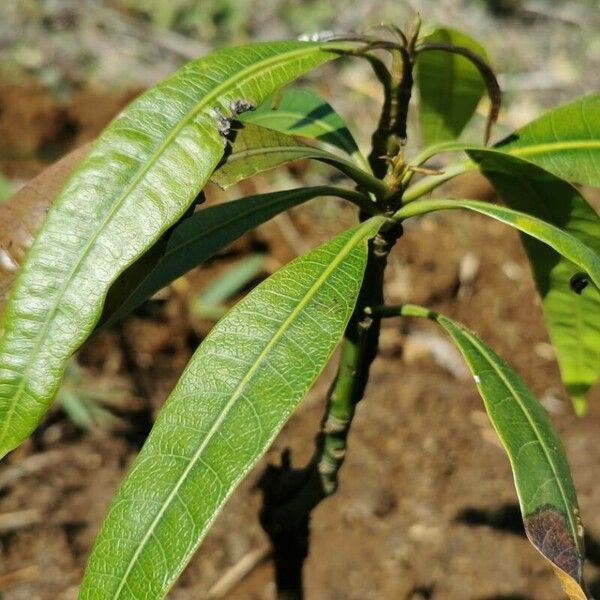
(255, 149)
(139, 178)
(542, 476)
(572, 319)
(450, 86)
(302, 112)
(565, 141)
(241, 385)
(22, 214)
(206, 232)
(563, 242)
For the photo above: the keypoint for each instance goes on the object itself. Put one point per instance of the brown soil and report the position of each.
(426, 506)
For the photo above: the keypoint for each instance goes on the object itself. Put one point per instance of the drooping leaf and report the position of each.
(139, 178)
(22, 214)
(254, 149)
(206, 232)
(564, 141)
(542, 476)
(450, 86)
(244, 381)
(305, 113)
(566, 244)
(572, 319)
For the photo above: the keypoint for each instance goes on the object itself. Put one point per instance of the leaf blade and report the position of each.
(303, 112)
(22, 214)
(450, 86)
(572, 319)
(205, 233)
(565, 141)
(255, 149)
(538, 460)
(117, 204)
(308, 304)
(563, 242)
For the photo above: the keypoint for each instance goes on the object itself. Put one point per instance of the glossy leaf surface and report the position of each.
(566, 244)
(255, 149)
(302, 112)
(139, 178)
(564, 141)
(208, 231)
(239, 388)
(537, 457)
(450, 86)
(22, 214)
(572, 319)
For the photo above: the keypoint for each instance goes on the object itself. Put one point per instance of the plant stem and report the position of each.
(289, 495)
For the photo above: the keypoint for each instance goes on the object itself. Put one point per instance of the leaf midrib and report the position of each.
(484, 351)
(592, 259)
(348, 247)
(241, 215)
(547, 147)
(204, 102)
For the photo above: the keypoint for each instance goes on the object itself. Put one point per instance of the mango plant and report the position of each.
(125, 224)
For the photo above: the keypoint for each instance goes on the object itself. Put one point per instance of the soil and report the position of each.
(426, 506)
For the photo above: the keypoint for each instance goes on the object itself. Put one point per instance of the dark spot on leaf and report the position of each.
(548, 531)
(238, 107)
(579, 282)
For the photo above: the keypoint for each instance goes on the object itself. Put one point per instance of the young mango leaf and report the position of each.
(565, 141)
(564, 243)
(139, 178)
(254, 149)
(542, 476)
(572, 319)
(450, 86)
(302, 112)
(206, 232)
(241, 385)
(22, 214)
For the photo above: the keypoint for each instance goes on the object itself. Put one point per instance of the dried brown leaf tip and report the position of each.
(548, 531)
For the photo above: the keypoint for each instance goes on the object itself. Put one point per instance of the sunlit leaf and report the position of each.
(22, 214)
(302, 112)
(139, 178)
(572, 319)
(241, 385)
(566, 244)
(255, 149)
(205, 233)
(565, 141)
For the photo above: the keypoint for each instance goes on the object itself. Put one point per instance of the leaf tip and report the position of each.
(547, 529)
